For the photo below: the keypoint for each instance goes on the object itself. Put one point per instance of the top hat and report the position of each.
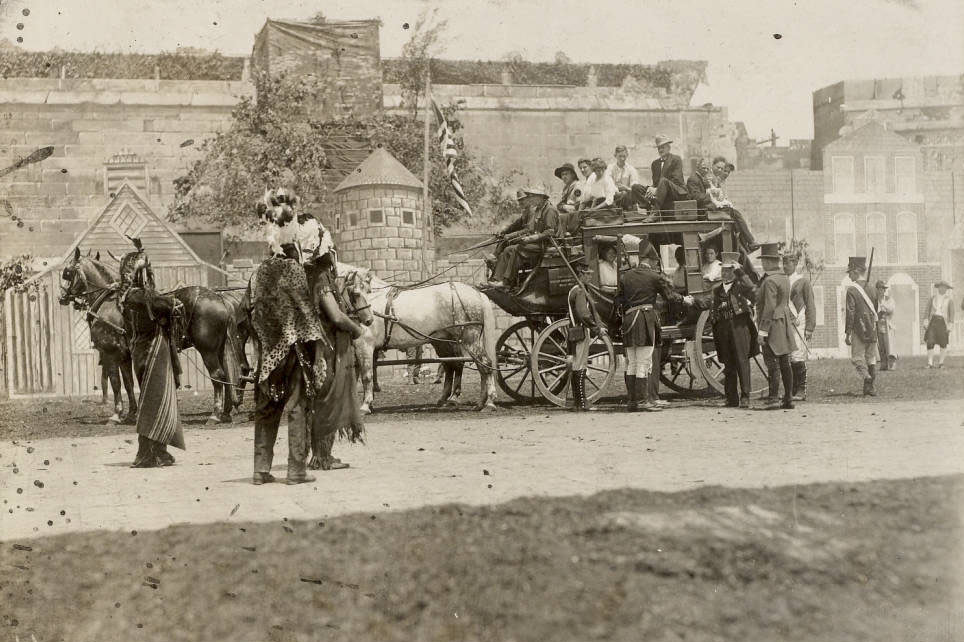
(944, 284)
(564, 167)
(531, 191)
(605, 241)
(662, 140)
(880, 285)
(857, 264)
(730, 258)
(770, 251)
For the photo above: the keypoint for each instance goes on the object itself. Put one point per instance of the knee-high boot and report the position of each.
(870, 389)
(631, 393)
(646, 403)
(799, 380)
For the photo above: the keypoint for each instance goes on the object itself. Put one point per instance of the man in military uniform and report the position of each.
(860, 327)
(541, 223)
(775, 322)
(734, 333)
(638, 289)
(804, 313)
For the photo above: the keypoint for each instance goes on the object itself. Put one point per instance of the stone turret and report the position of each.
(378, 218)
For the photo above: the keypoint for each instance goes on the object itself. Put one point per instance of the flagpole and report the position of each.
(426, 205)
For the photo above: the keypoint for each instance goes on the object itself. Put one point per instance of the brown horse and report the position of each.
(207, 323)
(89, 286)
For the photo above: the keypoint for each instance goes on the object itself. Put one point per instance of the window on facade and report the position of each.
(353, 219)
(905, 175)
(907, 238)
(408, 217)
(877, 236)
(337, 222)
(818, 303)
(376, 216)
(843, 174)
(844, 240)
(874, 181)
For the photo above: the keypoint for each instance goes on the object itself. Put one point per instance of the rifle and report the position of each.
(492, 241)
(870, 266)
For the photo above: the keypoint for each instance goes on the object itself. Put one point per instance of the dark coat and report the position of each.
(861, 319)
(731, 314)
(641, 286)
(696, 186)
(773, 313)
(672, 171)
(801, 295)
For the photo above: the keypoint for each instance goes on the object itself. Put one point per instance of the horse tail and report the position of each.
(232, 367)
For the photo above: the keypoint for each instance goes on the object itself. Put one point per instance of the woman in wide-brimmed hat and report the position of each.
(940, 314)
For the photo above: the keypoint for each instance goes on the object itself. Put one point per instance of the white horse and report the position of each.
(455, 318)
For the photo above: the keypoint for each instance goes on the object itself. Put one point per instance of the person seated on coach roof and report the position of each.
(542, 223)
(721, 203)
(699, 184)
(585, 168)
(629, 191)
(569, 201)
(600, 190)
(668, 183)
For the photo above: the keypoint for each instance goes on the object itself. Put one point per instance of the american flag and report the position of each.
(447, 146)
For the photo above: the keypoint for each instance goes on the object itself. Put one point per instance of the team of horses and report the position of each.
(455, 318)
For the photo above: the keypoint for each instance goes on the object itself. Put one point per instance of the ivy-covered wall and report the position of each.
(15, 63)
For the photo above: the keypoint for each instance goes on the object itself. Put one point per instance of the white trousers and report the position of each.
(639, 361)
(800, 354)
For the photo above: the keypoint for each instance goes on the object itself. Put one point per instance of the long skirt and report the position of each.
(334, 407)
(158, 416)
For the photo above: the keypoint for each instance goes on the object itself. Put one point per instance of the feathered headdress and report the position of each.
(283, 226)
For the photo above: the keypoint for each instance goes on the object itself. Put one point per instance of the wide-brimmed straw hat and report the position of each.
(943, 284)
(532, 190)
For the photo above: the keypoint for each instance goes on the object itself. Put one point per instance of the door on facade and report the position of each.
(905, 337)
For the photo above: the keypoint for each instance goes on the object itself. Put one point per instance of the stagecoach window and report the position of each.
(408, 217)
(376, 216)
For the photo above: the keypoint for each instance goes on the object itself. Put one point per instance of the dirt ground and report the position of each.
(830, 381)
(844, 562)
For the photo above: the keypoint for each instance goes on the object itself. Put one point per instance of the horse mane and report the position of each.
(106, 273)
(377, 283)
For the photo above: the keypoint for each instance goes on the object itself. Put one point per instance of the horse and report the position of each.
(455, 318)
(208, 319)
(89, 287)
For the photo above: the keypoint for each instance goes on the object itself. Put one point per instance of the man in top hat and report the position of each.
(638, 289)
(885, 323)
(804, 312)
(860, 326)
(775, 323)
(629, 191)
(939, 315)
(541, 223)
(734, 333)
(668, 183)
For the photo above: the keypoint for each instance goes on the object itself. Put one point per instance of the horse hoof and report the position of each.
(225, 419)
(211, 421)
(314, 463)
(487, 407)
(365, 410)
(376, 388)
(113, 420)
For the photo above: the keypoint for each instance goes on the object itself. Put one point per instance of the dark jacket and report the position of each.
(773, 313)
(801, 295)
(641, 286)
(671, 170)
(861, 319)
(696, 186)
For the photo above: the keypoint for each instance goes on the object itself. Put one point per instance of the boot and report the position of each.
(146, 456)
(870, 388)
(645, 404)
(799, 381)
(577, 405)
(632, 393)
(583, 398)
(711, 235)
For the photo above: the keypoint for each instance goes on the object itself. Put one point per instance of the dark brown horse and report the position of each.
(208, 320)
(89, 286)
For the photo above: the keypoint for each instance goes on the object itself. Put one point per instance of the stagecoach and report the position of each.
(532, 353)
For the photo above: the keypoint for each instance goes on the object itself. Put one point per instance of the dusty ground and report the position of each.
(844, 562)
(831, 381)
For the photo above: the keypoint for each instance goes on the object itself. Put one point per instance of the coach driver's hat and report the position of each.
(531, 190)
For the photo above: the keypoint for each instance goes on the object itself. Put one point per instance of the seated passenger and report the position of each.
(571, 192)
(712, 267)
(699, 184)
(600, 190)
(720, 202)
(668, 183)
(608, 270)
(526, 250)
(629, 191)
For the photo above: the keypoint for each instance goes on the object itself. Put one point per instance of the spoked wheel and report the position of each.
(513, 349)
(551, 367)
(679, 372)
(703, 356)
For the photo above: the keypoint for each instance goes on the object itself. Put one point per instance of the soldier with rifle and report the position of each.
(860, 326)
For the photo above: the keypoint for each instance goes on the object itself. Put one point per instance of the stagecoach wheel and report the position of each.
(703, 356)
(679, 372)
(513, 349)
(550, 364)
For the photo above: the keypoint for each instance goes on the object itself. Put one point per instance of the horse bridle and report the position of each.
(70, 293)
(353, 310)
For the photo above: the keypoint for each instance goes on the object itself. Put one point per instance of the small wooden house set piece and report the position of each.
(47, 349)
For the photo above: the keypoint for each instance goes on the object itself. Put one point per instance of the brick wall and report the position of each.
(88, 121)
